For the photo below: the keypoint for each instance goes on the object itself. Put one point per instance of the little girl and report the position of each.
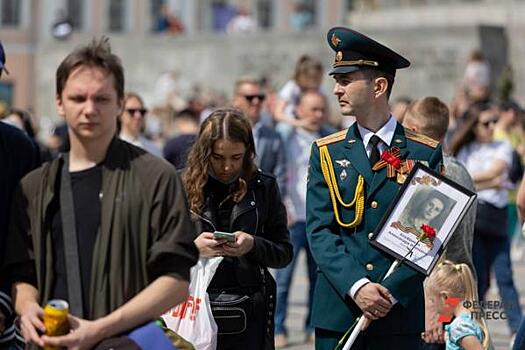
(450, 286)
(308, 76)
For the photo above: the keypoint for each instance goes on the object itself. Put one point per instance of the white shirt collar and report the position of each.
(386, 133)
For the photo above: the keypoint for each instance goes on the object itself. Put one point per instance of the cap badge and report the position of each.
(338, 56)
(335, 40)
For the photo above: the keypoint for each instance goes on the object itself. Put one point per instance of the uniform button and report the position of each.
(373, 205)
(370, 235)
(269, 322)
(369, 267)
(252, 203)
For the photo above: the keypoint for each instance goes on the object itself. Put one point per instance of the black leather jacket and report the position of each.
(261, 214)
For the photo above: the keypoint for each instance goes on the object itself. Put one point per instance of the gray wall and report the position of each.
(438, 57)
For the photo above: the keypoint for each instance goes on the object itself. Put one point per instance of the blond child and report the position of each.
(451, 287)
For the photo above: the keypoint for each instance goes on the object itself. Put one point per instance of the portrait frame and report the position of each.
(428, 198)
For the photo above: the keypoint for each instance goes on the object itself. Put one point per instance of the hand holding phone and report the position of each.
(228, 236)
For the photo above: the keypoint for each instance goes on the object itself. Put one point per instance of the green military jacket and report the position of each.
(344, 255)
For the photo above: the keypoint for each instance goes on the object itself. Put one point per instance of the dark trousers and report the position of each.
(327, 340)
(432, 346)
(519, 342)
(494, 252)
(284, 276)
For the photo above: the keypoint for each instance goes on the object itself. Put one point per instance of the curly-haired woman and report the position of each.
(227, 193)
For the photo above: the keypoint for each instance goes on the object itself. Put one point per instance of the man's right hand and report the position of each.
(31, 323)
(374, 300)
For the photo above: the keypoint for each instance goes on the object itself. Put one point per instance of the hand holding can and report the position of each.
(56, 314)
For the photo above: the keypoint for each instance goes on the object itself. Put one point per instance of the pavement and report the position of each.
(498, 329)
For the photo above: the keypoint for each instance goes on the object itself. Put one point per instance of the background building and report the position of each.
(189, 39)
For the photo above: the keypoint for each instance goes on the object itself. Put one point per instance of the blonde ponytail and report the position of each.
(459, 281)
(471, 294)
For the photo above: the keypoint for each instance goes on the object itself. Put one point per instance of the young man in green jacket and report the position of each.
(133, 231)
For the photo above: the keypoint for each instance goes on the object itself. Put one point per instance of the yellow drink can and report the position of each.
(56, 312)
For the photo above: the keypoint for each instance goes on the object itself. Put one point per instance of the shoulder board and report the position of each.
(414, 136)
(336, 137)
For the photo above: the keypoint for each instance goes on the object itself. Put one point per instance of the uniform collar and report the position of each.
(386, 133)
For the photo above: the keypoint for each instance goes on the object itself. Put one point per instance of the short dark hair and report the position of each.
(95, 54)
(186, 114)
(371, 74)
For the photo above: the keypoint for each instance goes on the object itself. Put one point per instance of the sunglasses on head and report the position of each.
(250, 98)
(132, 111)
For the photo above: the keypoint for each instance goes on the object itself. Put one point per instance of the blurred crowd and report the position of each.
(486, 133)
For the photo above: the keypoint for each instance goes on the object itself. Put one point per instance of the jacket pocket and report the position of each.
(231, 312)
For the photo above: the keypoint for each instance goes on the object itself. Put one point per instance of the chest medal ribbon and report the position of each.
(359, 196)
(394, 165)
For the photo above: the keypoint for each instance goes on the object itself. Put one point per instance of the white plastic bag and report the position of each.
(193, 319)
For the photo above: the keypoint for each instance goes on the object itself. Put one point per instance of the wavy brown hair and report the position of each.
(465, 133)
(223, 124)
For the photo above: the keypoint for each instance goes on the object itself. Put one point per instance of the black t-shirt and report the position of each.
(86, 186)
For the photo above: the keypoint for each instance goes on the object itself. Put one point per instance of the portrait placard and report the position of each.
(426, 198)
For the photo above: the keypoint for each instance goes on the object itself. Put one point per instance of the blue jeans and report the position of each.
(283, 278)
(519, 342)
(494, 252)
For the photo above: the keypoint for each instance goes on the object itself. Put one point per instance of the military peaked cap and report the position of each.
(354, 51)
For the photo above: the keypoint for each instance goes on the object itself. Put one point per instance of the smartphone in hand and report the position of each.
(228, 236)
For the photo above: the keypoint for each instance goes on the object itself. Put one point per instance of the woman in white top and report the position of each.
(488, 162)
(132, 124)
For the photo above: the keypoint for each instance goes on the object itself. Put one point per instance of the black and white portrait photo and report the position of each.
(427, 206)
(427, 198)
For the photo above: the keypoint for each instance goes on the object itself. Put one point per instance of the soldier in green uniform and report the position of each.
(348, 194)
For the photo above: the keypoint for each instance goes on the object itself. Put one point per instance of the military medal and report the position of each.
(401, 178)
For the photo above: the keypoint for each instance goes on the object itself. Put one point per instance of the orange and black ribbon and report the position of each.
(390, 159)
